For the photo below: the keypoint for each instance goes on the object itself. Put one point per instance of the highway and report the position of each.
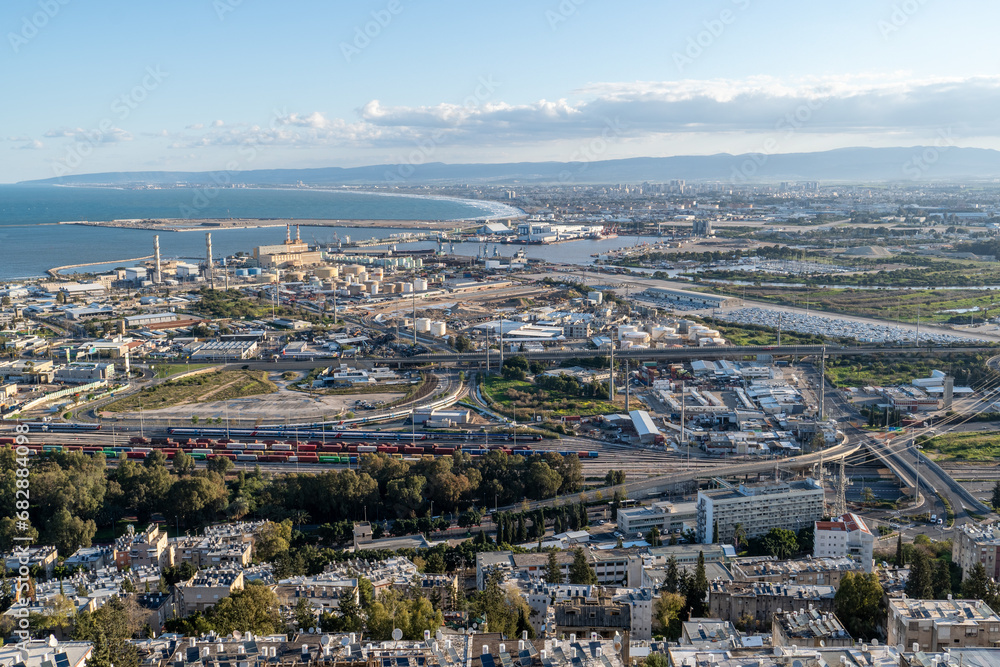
(668, 354)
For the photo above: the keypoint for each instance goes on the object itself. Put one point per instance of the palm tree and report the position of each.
(739, 536)
(299, 517)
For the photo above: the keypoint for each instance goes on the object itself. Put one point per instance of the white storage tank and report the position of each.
(423, 324)
(419, 285)
(439, 328)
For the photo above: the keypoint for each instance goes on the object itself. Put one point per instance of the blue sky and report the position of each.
(248, 84)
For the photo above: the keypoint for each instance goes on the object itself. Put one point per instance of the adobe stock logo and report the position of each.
(30, 25)
(363, 35)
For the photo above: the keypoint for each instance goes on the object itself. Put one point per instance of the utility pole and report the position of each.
(682, 427)
(779, 328)
(916, 492)
(414, 318)
(628, 385)
(611, 379)
(822, 384)
(487, 352)
(501, 343)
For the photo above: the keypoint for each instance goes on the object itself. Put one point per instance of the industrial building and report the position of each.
(758, 508)
(83, 372)
(288, 254)
(690, 300)
(149, 318)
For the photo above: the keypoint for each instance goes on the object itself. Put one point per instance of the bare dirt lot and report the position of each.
(278, 405)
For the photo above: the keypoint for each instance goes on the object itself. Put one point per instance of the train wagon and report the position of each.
(255, 446)
(308, 458)
(367, 449)
(246, 457)
(135, 455)
(279, 446)
(306, 448)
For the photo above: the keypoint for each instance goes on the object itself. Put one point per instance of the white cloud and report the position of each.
(645, 115)
(33, 145)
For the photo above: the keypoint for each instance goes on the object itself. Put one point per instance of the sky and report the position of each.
(200, 85)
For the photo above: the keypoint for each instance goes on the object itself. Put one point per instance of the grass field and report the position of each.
(219, 386)
(166, 370)
(881, 371)
(535, 401)
(976, 446)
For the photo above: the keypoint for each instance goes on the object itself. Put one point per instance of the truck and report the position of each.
(933, 518)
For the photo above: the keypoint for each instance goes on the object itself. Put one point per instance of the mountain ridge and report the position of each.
(913, 164)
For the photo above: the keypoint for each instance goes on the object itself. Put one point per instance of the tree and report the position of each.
(780, 543)
(220, 465)
(656, 660)
(739, 536)
(304, 615)
(858, 603)
(273, 540)
(654, 536)
(68, 533)
(942, 579)
(672, 578)
(995, 500)
(697, 590)
(553, 572)
(183, 462)
(580, 571)
(668, 613)
(920, 583)
(255, 608)
(900, 557)
(110, 628)
(977, 583)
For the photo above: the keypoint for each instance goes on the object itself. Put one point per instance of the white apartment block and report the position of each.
(845, 536)
(758, 508)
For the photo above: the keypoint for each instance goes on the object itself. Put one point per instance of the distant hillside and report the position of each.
(842, 165)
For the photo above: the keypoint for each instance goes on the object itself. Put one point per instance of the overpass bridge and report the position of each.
(667, 354)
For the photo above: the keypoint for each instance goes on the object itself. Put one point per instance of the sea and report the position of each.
(32, 240)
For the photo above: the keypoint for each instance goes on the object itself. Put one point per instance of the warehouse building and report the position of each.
(690, 300)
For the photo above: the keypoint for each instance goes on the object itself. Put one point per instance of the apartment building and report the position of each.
(149, 548)
(847, 535)
(666, 517)
(758, 602)
(809, 628)
(757, 508)
(206, 588)
(804, 572)
(934, 625)
(973, 544)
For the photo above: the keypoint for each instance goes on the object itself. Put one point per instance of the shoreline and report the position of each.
(222, 224)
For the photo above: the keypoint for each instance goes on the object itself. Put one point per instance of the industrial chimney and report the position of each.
(157, 278)
(209, 271)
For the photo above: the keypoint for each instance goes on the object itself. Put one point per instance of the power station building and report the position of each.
(290, 254)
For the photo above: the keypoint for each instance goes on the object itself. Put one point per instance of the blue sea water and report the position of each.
(31, 241)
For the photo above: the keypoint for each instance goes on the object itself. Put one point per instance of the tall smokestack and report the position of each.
(298, 238)
(209, 271)
(288, 233)
(156, 252)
